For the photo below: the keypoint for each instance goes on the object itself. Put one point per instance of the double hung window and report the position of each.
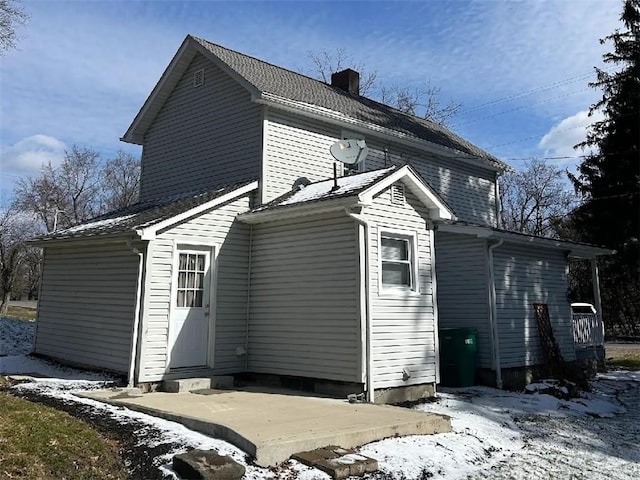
(397, 262)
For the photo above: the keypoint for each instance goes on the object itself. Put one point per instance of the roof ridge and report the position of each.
(264, 61)
(337, 89)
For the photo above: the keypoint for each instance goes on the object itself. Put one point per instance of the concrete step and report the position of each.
(183, 385)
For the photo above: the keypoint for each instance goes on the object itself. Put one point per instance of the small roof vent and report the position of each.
(198, 78)
(300, 183)
(397, 194)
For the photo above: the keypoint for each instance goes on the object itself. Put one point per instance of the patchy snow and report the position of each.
(496, 434)
(322, 190)
(16, 337)
(96, 224)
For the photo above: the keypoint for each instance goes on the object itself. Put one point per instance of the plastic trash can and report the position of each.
(457, 357)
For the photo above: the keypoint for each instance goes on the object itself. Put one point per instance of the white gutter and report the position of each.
(364, 223)
(493, 314)
(136, 318)
(498, 202)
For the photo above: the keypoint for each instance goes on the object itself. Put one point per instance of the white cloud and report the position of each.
(28, 155)
(560, 139)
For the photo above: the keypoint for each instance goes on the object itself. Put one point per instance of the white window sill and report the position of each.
(398, 293)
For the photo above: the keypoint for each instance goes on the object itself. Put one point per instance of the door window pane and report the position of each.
(191, 274)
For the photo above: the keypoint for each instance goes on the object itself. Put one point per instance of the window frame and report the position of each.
(411, 238)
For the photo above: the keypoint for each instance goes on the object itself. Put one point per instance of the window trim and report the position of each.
(414, 272)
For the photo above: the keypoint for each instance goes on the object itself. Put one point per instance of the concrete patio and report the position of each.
(272, 425)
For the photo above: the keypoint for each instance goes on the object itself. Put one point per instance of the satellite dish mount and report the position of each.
(349, 152)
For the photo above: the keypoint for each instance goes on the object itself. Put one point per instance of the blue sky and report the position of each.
(82, 70)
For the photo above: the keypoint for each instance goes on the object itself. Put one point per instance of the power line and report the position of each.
(566, 157)
(551, 86)
(542, 102)
(561, 130)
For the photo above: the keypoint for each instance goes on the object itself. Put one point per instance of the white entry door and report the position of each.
(189, 323)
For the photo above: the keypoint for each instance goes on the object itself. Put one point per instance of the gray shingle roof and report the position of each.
(323, 190)
(268, 78)
(348, 186)
(140, 215)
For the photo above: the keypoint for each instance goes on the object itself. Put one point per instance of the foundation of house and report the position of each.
(410, 393)
(336, 389)
(192, 384)
(516, 378)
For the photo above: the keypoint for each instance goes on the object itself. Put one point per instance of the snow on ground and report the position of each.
(496, 434)
(16, 336)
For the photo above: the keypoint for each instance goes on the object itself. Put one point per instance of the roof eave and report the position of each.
(169, 79)
(337, 118)
(573, 249)
(93, 239)
(149, 232)
(438, 210)
(292, 211)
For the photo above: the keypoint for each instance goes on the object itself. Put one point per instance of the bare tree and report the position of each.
(80, 188)
(535, 199)
(327, 63)
(65, 195)
(424, 102)
(12, 16)
(16, 257)
(120, 183)
(419, 101)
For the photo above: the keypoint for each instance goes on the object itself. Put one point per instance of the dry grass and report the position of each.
(21, 313)
(630, 361)
(40, 442)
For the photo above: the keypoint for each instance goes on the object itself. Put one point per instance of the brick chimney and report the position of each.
(347, 80)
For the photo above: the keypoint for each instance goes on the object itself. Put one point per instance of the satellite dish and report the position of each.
(349, 151)
(300, 183)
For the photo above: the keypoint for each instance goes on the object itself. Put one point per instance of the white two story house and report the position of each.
(245, 255)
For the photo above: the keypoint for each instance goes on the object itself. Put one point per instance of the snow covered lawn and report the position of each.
(496, 434)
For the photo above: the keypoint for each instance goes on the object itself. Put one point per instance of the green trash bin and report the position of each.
(457, 357)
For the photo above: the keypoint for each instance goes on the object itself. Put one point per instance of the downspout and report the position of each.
(498, 202)
(361, 220)
(246, 325)
(136, 318)
(494, 315)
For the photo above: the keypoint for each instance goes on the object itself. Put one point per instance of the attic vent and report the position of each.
(198, 78)
(397, 194)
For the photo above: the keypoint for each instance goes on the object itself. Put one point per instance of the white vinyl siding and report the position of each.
(403, 323)
(524, 276)
(87, 304)
(202, 137)
(299, 147)
(230, 239)
(304, 314)
(463, 289)
(296, 147)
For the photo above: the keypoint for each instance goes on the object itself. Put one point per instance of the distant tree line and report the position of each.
(82, 186)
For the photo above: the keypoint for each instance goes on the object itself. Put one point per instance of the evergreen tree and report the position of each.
(609, 179)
